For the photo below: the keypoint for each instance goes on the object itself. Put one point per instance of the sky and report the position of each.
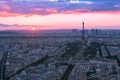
(59, 14)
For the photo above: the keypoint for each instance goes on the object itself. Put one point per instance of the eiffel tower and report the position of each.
(83, 34)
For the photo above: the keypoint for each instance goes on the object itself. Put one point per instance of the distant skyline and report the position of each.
(59, 14)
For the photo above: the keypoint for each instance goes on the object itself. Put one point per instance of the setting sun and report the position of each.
(33, 28)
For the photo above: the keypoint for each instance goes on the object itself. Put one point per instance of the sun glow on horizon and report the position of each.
(33, 28)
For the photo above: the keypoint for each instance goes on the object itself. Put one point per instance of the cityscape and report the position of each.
(78, 55)
(59, 40)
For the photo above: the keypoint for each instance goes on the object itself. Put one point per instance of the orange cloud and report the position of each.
(7, 14)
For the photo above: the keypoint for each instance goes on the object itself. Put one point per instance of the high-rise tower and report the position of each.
(83, 34)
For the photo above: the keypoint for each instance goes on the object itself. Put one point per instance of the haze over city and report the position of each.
(59, 14)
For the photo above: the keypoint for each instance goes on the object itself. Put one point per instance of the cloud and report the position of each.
(4, 25)
(117, 5)
(46, 7)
